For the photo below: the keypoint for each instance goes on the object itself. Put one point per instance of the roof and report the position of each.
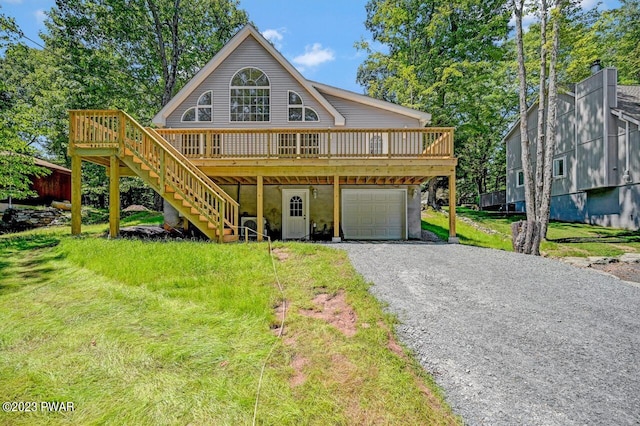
(314, 88)
(629, 101)
(48, 165)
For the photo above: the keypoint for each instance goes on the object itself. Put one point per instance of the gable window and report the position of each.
(559, 167)
(297, 110)
(203, 111)
(520, 178)
(249, 96)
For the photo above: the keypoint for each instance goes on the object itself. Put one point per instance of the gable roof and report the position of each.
(423, 117)
(248, 31)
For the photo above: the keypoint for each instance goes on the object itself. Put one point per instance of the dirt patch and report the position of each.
(622, 270)
(281, 254)
(335, 310)
(298, 363)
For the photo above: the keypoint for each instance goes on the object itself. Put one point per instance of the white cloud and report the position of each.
(40, 16)
(275, 36)
(313, 56)
(11, 1)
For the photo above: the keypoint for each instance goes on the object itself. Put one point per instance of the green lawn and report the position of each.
(149, 333)
(563, 239)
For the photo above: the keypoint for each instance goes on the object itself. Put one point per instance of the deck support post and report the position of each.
(336, 209)
(260, 207)
(452, 208)
(76, 195)
(114, 197)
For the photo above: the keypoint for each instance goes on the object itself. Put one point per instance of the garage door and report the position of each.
(374, 214)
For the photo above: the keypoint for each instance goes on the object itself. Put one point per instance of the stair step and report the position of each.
(230, 238)
(169, 189)
(177, 196)
(185, 203)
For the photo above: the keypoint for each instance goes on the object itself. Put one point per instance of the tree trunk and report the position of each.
(542, 103)
(431, 193)
(545, 198)
(529, 188)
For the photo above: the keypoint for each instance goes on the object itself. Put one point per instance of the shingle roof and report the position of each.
(629, 100)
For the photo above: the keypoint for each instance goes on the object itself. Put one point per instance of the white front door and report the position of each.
(295, 214)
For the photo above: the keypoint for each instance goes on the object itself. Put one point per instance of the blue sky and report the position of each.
(317, 37)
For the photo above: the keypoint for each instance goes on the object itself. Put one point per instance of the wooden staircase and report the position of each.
(95, 135)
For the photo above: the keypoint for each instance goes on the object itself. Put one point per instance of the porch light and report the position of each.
(314, 192)
(414, 193)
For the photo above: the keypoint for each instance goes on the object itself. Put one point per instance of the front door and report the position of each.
(295, 214)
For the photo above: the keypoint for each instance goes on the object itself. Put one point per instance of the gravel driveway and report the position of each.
(513, 339)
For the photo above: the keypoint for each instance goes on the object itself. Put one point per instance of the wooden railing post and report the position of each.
(221, 211)
(122, 132)
(163, 172)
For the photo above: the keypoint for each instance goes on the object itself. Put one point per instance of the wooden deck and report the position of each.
(208, 158)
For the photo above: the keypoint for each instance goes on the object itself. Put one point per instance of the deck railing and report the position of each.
(108, 129)
(312, 143)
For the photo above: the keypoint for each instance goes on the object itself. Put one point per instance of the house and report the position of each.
(596, 164)
(55, 186)
(248, 141)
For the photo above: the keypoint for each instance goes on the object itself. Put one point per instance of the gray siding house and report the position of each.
(596, 165)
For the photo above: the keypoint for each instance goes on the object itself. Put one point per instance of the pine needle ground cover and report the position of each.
(145, 333)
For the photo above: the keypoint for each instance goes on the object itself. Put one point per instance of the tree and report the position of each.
(528, 235)
(136, 54)
(447, 58)
(17, 166)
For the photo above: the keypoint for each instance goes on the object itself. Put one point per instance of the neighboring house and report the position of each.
(596, 165)
(55, 186)
(253, 142)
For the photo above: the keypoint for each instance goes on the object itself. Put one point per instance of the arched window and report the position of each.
(249, 93)
(295, 206)
(203, 111)
(297, 110)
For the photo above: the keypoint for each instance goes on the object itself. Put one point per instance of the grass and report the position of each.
(176, 333)
(563, 239)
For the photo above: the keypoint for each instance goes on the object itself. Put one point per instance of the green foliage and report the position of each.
(449, 59)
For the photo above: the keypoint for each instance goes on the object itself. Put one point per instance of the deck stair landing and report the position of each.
(98, 135)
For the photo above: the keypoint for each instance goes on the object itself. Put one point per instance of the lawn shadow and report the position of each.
(25, 261)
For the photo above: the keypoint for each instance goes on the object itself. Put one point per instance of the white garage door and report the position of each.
(374, 214)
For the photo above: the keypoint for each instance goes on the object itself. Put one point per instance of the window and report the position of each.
(520, 181)
(203, 111)
(558, 167)
(287, 144)
(294, 144)
(309, 144)
(297, 110)
(249, 96)
(295, 206)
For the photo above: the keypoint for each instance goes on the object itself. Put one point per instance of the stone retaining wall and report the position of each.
(21, 219)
